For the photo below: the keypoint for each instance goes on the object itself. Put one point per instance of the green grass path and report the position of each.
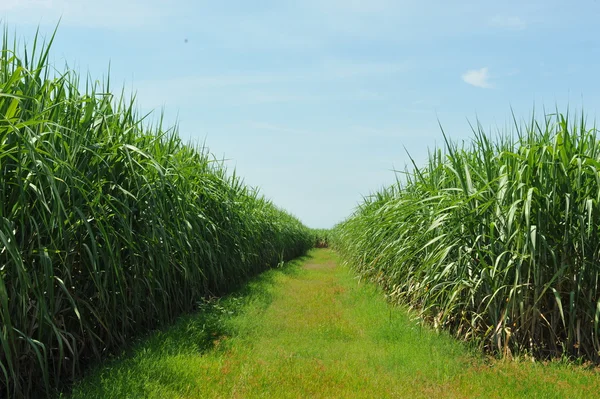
(310, 330)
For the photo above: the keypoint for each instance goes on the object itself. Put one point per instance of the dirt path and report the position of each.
(311, 331)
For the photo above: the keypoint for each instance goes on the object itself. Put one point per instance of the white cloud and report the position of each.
(508, 22)
(478, 78)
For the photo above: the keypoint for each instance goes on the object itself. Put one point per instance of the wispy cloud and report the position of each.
(277, 86)
(358, 6)
(88, 13)
(273, 127)
(478, 78)
(508, 22)
(358, 133)
(13, 5)
(336, 68)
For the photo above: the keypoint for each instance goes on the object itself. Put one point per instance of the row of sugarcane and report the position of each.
(109, 226)
(496, 240)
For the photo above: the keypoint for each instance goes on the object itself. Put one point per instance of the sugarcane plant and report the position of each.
(496, 240)
(110, 225)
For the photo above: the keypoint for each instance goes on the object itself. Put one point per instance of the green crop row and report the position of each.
(109, 226)
(321, 237)
(497, 240)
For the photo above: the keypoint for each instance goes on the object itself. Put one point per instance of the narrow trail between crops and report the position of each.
(311, 330)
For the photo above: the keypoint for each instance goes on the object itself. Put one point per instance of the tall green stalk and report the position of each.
(497, 240)
(108, 226)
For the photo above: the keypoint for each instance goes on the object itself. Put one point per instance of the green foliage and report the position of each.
(308, 330)
(498, 240)
(322, 237)
(109, 227)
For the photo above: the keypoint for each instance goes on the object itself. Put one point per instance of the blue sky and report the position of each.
(314, 101)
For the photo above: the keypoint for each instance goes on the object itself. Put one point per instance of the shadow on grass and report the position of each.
(194, 333)
(209, 323)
